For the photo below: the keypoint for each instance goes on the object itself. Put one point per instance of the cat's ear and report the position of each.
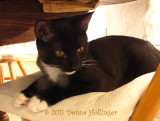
(82, 21)
(43, 30)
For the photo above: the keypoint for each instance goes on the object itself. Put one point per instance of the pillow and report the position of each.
(97, 106)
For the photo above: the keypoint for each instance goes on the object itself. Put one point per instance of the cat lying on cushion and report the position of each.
(72, 66)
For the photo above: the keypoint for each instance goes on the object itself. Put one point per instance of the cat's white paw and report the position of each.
(20, 100)
(36, 105)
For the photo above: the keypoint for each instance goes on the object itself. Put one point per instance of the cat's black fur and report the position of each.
(106, 63)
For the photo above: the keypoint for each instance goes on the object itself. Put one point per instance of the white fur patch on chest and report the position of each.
(70, 73)
(52, 72)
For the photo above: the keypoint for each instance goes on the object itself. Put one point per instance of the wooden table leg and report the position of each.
(1, 74)
(22, 69)
(11, 70)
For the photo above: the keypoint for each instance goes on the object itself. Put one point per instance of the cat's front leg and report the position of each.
(35, 97)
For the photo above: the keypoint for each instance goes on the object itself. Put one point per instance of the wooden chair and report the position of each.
(3, 115)
(1, 72)
(150, 102)
(10, 61)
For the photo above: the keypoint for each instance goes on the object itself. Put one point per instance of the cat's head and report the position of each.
(63, 42)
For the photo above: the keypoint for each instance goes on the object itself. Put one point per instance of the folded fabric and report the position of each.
(117, 105)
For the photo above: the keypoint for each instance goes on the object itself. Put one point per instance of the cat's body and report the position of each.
(71, 66)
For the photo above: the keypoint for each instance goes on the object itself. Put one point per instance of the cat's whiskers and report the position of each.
(88, 65)
(87, 61)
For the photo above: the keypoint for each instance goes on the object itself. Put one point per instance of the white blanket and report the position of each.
(117, 105)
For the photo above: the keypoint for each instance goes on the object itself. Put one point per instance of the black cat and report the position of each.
(72, 66)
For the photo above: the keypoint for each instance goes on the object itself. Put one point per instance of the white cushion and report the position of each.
(117, 105)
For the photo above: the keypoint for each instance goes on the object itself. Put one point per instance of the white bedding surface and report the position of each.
(117, 105)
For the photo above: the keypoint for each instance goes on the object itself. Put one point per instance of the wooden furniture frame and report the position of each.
(1, 72)
(17, 17)
(10, 61)
(3, 115)
(56, 6)
(150, 102)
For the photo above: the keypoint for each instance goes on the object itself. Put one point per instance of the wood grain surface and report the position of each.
(17, 18)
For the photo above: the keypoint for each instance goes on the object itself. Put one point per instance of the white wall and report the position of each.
(153, 22)
(120, 19)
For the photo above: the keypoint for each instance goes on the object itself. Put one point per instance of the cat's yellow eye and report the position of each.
(80, 50)
(59, 53)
